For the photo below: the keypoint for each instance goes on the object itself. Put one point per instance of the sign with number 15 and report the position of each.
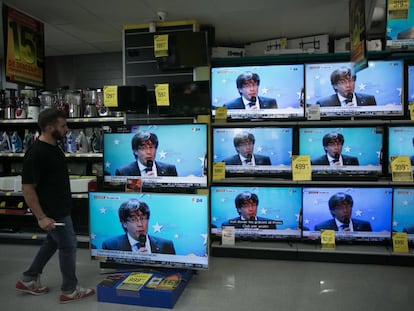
(24, 47)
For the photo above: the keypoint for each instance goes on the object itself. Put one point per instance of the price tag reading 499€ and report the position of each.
(401, 168)
(301, 167)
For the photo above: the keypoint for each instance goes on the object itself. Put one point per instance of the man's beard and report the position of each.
(56, 135)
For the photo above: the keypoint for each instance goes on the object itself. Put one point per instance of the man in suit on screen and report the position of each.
(340, 206)
(244, 144)
(332, 144)
(343, 83)
(248, 87)
(144, 146)
(246, 205)
(134, 216)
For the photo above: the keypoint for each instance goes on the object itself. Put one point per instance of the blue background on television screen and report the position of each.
(183, 145)
(183, 217)
(275, 143)
(403, 214)
(383, 79)
(282, 82)
(400, 141)
(370, 204)
(274, 203)
(359, 142)
(395, 26)
(410, 84)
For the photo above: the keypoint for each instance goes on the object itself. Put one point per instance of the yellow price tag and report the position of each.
(301, 167)
(411, 107)
(221, 113)
(110, 96)
(328, 239)
(400, 242)
(219, 170)
(162, 94)
(160, 45)
(398, 9)
(401, 168)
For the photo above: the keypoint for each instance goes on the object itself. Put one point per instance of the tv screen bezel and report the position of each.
(261, 114)
(274, 171)
(347, 237)
(127, 258)
(347, 174)
(160, 183)
(255, 234)
(338, 113)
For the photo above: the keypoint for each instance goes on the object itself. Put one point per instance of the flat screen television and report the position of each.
(378, 89)
(401, 142)
(400, 31)
(186, 49)
(278, 89)
(254, 151)
(350, 152)
(174, 155)
(403, 212)
(176, 229)
(187, 99)
(364, 211)
(410, 84)
(234, 206)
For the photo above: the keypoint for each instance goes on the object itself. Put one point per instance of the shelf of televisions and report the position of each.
(288, 91)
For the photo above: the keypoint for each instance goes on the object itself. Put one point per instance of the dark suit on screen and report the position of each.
(264, 102)
(346, 160)
(412, 160)
(362, 100)
(358, 225)
(121, 243)
(258, 159)
(409, 229)
(228, 222)
(132, 169)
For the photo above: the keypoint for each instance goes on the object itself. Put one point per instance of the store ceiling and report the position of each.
(94, 26)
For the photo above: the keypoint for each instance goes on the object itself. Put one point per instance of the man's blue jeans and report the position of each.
(62, 238)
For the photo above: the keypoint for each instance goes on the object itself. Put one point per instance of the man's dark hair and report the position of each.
(244, 196)
(246, 76)
(49, 117)
(339, 198)
(241, 137)
(329, 137)
(132, 206)
(340, 73)
(143, 136)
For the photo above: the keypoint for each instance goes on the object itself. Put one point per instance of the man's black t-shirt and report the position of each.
(45, 166)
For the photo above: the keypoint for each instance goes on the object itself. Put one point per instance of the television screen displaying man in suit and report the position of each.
(246, 204)
(244, 144)
(134, 216)
(343, 83)
(248, 86)
(340, 207)
(332, 144)
(144, 147)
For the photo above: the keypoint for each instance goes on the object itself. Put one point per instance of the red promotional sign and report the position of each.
(24, 47)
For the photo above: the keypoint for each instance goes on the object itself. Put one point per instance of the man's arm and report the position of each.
(32, 200)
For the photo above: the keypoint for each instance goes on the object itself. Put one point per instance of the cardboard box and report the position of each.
(265, 47)
(317, 44)
(342, 45)
(223, 52)
(146, 296)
